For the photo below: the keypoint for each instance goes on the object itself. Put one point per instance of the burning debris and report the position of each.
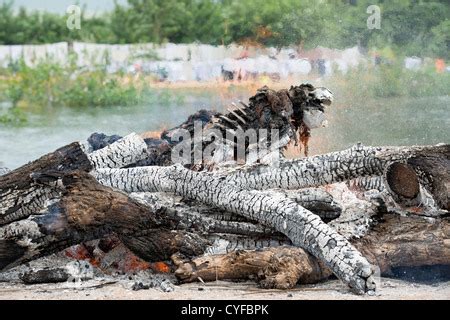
(129, 212)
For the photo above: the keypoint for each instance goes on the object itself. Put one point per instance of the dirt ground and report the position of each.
(109, 290)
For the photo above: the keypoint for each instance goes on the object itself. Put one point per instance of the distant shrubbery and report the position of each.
(392, 80)
(49, 83)
(98, 89)
(13, 116)
(412, 27)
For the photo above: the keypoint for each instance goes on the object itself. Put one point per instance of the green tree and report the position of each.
(149, 21)
(409, 27)
(440, 42)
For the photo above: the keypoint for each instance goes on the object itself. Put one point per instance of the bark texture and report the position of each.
(87, 210)
(280, 268)
(358, 161)
(301, 226)
(54, 202)
(21, 196)
(123, 152)
(395, 241)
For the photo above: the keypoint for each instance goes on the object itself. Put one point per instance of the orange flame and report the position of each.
(161, 267)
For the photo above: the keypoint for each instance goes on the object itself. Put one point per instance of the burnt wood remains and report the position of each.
(347, 214)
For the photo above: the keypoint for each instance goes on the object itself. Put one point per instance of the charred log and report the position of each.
(20, 193)
(422, 181)
(53, 275)
(85, 211)
(329, 168)
(20, 196)
(433, 172)
(292, 112)
(367, 183)
(53, 202)
(394, 242)
(301, 226)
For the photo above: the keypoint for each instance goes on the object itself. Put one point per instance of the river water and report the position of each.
(393, 121)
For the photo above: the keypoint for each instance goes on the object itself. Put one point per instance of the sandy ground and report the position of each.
(107, 290)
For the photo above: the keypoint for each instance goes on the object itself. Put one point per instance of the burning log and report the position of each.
(37, 186)
(394, 242)
(420, 180)
(21, 195)
(284, 216)
(430, 171)
(355, 162)
(76, 200)
(221, 226)
(301, 226)
(56, 201)
(86, 210)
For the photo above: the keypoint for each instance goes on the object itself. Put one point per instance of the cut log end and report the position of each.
(81, 209)
(402, 180)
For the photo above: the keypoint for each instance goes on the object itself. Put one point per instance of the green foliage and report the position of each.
(392, 80)
(13, 116)
(387, 81)
(440, 43)
(179, 21)
(94, 89)
(411, 27)
(23, 27)
(427, 83)
(48, 83)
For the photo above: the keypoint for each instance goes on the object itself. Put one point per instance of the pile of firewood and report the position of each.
(346, 213)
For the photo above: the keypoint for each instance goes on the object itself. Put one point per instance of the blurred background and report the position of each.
(68, 68)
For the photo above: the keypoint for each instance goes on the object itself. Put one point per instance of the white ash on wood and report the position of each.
(55, 201)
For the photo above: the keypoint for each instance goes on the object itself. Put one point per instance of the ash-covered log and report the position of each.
(55, 201)
(20, 193)
(86, 210)
(301, 226)
(393, 242)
